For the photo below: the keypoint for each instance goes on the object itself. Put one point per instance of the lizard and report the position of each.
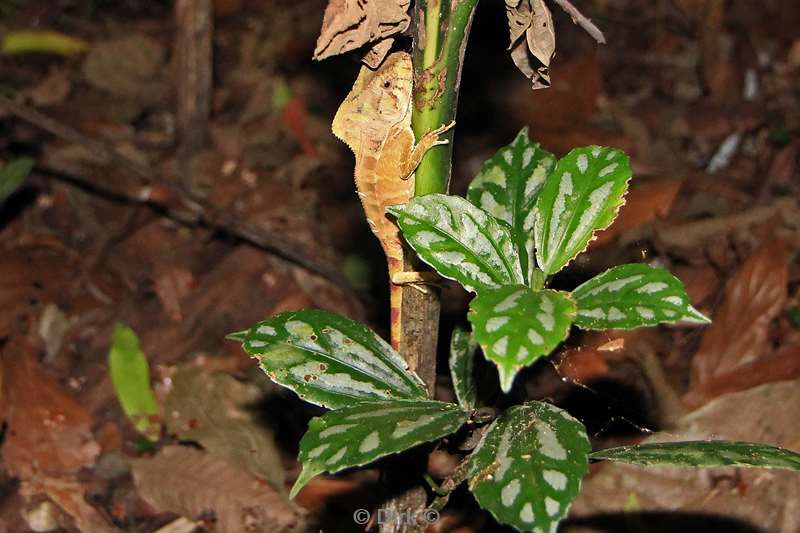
(374, 121)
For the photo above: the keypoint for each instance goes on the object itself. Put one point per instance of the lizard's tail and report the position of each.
(395, 303)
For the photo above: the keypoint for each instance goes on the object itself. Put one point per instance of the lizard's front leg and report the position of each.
(428, 141)
(410, 164)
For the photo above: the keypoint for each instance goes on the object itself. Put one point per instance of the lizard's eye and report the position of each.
(387, 84)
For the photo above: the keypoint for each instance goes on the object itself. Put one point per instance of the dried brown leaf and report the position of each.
(192, 483)
(645, 203)
(782, 365)
(172, 284)
(533, 19)
(138, 77)
(541, 35)
(375, 56)
(215, 410)
(754, 296)
(68, 494)
(583, 364)
(48, 430)
(349, 24)
(767, 499)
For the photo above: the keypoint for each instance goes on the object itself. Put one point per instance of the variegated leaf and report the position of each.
(694, 454)
(507, 186)
(329, 360)
(516, 325)
(529, 465)
(463, 357)
(630, 296)
(581, 195)
(459, 240)
(362, 433)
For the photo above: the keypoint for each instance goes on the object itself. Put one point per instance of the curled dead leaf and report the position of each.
(350, 24)
(533, 19)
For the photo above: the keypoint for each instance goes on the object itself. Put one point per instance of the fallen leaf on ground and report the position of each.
(583, 364)
(217, 411)
(138, 77)
(780, 365)
(294, 116)
(192, 483)
(699, 282)
(68, 494)
(53, 89)
(172, 284)
(738, 335)
(645, 203)
(48, 430)
(768, 499)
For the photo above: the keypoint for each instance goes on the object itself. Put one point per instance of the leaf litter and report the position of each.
(667, 96)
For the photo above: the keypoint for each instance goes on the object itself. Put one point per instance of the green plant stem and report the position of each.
(442, 30)
(442, 27)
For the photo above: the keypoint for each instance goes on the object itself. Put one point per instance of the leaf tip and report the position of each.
(238, 336)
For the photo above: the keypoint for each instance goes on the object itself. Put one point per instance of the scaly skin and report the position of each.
(375, 122)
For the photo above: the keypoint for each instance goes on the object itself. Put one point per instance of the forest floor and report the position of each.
(116, 226)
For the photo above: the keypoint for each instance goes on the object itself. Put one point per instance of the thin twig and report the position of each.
(200, 212)
(581, 20)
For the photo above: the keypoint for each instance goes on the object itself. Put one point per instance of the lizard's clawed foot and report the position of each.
(434, 135)
(417, 280)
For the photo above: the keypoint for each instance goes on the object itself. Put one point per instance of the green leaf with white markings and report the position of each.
(12, 175)
(529, 465)
(329, 360)
(362, 433)
(630, 296)
(515, 325)
(463, 358)
(461, 241)
(702, 454)
(581, 195)
(507, 186)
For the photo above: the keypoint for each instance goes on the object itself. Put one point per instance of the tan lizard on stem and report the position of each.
(375, 122)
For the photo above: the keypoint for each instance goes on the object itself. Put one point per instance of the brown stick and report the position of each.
(193, 60)
(195, 211)
(581, 20)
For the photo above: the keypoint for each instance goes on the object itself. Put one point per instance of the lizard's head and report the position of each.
(389, 88)
(379, 100)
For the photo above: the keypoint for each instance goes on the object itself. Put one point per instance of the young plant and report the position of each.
(526, 216)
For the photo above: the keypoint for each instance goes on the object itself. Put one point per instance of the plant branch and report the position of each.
(581, 20)
(442, 27)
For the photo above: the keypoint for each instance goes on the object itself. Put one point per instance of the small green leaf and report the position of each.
(12, 175)
(516, 325)
(702, 454)
(459, 240)
(130, 375)
(362, 433)
(463, 357)
(529, 465)
(630, 296)
(507, 186)
(581, 195)
(330, 360)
